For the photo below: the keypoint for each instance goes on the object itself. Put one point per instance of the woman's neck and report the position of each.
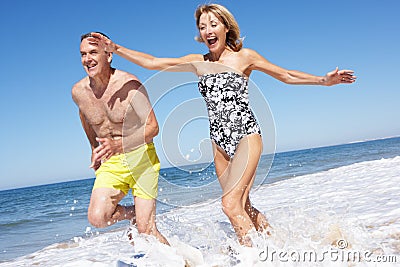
(217, 56)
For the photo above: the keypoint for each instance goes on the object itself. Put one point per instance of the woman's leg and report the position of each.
(258, 219)
(236, 178)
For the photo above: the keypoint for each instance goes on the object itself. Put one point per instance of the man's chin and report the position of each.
(91, 74)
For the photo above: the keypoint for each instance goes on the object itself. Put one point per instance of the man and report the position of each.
(120, 124)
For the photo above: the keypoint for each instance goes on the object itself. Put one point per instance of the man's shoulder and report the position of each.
(125, 76)
(82, 83)
(78, 88)
(127, 80)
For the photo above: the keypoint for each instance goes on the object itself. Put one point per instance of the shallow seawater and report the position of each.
(317, 219)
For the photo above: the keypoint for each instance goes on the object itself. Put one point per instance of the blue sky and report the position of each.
(43, 141)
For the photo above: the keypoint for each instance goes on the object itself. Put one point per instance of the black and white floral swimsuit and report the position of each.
(231, 118)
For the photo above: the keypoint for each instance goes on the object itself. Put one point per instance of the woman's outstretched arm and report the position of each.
(146, 60)
(257, 62)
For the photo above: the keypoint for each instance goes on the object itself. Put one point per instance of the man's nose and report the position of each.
(86, 58)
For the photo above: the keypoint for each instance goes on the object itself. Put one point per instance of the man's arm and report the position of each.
(141, 103)
(151, 128)
(146, 120)
(91, 135)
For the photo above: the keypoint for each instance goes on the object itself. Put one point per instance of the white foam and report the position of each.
(356, 205)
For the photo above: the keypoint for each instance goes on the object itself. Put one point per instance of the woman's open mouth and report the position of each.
(212, 41)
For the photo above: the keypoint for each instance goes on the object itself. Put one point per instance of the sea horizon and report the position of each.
(346, 191)
(188, 165)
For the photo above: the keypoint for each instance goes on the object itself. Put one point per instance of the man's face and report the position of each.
(94, 59)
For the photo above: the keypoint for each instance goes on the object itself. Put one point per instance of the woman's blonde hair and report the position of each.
(233, 39)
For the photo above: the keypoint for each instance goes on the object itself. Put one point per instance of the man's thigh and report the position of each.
(104, 201)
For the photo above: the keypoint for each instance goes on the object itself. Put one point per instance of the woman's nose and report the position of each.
(208, 30)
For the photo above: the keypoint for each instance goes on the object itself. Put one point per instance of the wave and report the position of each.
(354, 208)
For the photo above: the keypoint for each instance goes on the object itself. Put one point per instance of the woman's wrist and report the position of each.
(322, 80)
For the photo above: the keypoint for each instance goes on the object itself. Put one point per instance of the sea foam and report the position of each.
(317, 219)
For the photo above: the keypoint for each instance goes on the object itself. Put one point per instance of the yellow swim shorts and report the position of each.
(138, 169)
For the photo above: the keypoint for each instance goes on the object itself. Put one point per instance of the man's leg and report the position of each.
(146, 218)
(104, 209)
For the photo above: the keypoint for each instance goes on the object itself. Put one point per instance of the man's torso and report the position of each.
(106, 112)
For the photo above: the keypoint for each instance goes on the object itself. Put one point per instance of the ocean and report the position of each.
(328, 206)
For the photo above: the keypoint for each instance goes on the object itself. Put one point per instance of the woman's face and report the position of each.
(212, 31)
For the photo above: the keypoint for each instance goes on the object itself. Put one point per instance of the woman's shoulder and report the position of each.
(250, 56)
(193, 57)
(247, 52)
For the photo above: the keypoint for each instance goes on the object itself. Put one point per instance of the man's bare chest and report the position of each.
(99, 111)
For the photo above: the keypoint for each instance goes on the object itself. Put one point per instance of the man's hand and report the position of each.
(95, 163)
(107, 148)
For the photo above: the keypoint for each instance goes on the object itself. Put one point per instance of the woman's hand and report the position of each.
(339, 76)
(102, 41)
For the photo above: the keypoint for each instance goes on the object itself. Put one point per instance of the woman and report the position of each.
(235, 133)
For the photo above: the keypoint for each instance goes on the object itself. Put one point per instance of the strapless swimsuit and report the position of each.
(230, 116)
